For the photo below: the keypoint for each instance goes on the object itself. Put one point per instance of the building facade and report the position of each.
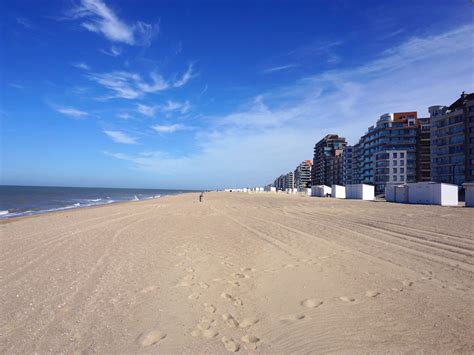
(452, 141)
(303, 175)
(423, 150)
(390, 167)
(393, 132)
(327, 161)
(347, 167)
(290, 181)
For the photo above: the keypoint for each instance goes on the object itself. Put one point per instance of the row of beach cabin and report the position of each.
(429, 193)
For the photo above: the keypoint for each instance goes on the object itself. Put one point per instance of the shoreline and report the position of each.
(6, 220)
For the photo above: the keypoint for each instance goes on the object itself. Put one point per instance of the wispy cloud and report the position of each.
(16, 86)
(129, 85)
(146, 110)
(124, 115)
(71, 112)
(169, 106)
(288, 121)
(113, 51)
(121, 137)
(99, 18)
(168, 128)
(182, 107)
(279, 68)
(25, 23)
(81, 65)
(188, 75)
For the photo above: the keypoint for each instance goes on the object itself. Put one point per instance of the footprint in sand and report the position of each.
(251, 341)
(311, 303)
(247, 269)
(230, 320)
(347, 299)
(188, 277)
(372, 293)
(194, 296)
(248, 322)
(203, 285)
(407, 283)
(189, 269)
(238, 275)
(210, 333)
(209, 308)
(235, 300)
(230, 344)
(205, 324)
(151, 338)
(292, 318)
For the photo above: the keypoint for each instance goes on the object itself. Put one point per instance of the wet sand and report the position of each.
(268, 273)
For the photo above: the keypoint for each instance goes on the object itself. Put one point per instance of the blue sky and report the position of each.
(196, 94)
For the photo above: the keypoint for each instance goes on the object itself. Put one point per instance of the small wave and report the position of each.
(95, 200)
(3, 213)
(135, 198)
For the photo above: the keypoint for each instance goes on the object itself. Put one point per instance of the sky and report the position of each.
(212, 94)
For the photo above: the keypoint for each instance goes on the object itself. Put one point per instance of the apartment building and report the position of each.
(393, 132)
(423, 150)
(302, 175)
(390, 167)
(327, 161)
(347, 167)
(290, 180)
(452, 141)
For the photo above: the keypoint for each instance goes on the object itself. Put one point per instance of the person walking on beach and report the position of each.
(201, 196)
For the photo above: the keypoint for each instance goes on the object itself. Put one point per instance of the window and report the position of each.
(394, 178)
(402, 170)
(394, 155)
(402, 162)
(394, 170)
(402, 178)
(394, 162)
(402, 155)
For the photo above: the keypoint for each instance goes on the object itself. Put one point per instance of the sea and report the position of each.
(30, 200)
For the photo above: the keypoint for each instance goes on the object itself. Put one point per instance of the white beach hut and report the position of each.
(320, 190)
(469, 189)
(360, 192)
(338, 191)
(432, 193)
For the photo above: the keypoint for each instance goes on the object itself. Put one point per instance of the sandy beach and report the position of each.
(270, 273)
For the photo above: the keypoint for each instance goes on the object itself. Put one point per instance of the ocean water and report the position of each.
(28, 200)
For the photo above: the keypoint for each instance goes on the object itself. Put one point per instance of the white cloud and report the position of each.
(168, 128)
(121, 137)
(149, 111)
(113, 51)
(130, 85)
(279, 68)
(182, 107)
(71, 112)
(81, 65)
(188, 75)
(273, 132)
(124, 115)
(25, 23)
(99, 18)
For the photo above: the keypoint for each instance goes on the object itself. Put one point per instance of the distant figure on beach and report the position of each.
(201, 196)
